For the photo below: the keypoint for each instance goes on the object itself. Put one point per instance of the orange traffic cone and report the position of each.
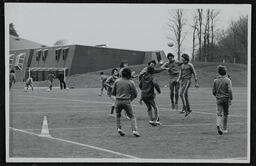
(45, 130)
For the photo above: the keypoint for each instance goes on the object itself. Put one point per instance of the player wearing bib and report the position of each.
(173, 67)
(222, 90)
(109, 84)
(186, 72)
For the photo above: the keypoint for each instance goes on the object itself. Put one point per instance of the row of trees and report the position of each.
(208, 42)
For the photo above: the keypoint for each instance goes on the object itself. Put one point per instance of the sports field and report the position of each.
(80, 127)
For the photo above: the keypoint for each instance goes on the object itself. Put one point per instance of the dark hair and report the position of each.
(150, 70)
(113, 70)
(101, 73)
(185, 56)
(12, 71)
(170, 54)
(126, 73)
(153, 61)
(122, 63)
(222, 70)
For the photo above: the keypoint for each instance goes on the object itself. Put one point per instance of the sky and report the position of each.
(124, 26)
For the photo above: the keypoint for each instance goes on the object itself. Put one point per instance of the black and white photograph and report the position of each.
(136, 83)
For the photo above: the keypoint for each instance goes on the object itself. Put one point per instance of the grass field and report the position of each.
(80, 127)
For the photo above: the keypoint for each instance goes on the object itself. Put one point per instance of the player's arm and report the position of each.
(156, 85)
(133, 91)
(230, 90)
(214, 91)
(195, 75)
(164, 66)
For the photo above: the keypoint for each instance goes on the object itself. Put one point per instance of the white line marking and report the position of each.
(103, 102)
(76, 143)
(167, 125)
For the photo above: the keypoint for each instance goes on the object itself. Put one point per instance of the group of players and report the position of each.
(121, 89)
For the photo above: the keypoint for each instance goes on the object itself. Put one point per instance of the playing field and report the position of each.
(80, 127)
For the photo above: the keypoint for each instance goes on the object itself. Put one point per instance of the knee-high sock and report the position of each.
(224, 122)
(218, 120)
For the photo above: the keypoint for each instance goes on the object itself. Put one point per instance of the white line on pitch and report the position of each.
(103, 102)
(76, 143)
(198, 124)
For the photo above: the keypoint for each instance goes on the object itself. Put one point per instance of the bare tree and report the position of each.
(194, 27)
(199, 31)
(176, 24)
(206, 35)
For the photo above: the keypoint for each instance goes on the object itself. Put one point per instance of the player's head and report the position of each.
(170, 56)
(114, 71)
(12, 71)
(185, 58)
(222, 70)
(126, 73)
(101, 73)
(123, 64)
(152, 63)
(150, 70)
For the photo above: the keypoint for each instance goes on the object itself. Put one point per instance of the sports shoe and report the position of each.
(152, 123)
(135, 133)
(188, 112)
(120, 132)
(158, 123)
(219, 130)
(183, 110)
(112, 115)
(225, 131)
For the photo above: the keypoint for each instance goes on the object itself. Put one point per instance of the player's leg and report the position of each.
(130, 114)
(118, 118)
(182, 91)
(188, 110)
(149, 111)
(64, 84)
(61, 87)
(112, 106)
(156, 112)
(219, 116)
(31, 86)
(171, 85)
(225, 116)
(176, 92)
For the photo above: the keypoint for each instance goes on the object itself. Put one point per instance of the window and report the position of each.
(38, 55)
(20, 61)
(57, 54)
(158, 56)
(45, 54)
(65, 53)
(11, 58)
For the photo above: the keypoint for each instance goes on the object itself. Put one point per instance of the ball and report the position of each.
(170, 44)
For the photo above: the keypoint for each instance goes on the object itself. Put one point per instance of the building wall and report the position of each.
(88, 59)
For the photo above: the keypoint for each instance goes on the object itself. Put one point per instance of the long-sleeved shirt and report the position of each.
(222, 88)
(147, 85)
(187, 70)
(124, 89)
(174, 68)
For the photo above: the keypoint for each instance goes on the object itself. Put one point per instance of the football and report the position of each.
(170, 44)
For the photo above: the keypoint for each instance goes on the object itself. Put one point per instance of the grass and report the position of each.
(81, 116)
(206, 73)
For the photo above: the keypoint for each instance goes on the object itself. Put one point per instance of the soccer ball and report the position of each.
(170, 44)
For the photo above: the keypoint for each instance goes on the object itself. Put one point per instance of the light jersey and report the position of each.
(174, 69)
(187, 70)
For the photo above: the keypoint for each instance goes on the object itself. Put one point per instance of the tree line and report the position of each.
(210, 44)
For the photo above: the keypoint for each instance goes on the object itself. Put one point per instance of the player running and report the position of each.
(109, 84)
(186, 72)
(103, 79)
(125, 92)
(29, 83)
(173, 67)
(222, 90)
(147, 85)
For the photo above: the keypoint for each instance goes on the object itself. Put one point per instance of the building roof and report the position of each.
(17, 43)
